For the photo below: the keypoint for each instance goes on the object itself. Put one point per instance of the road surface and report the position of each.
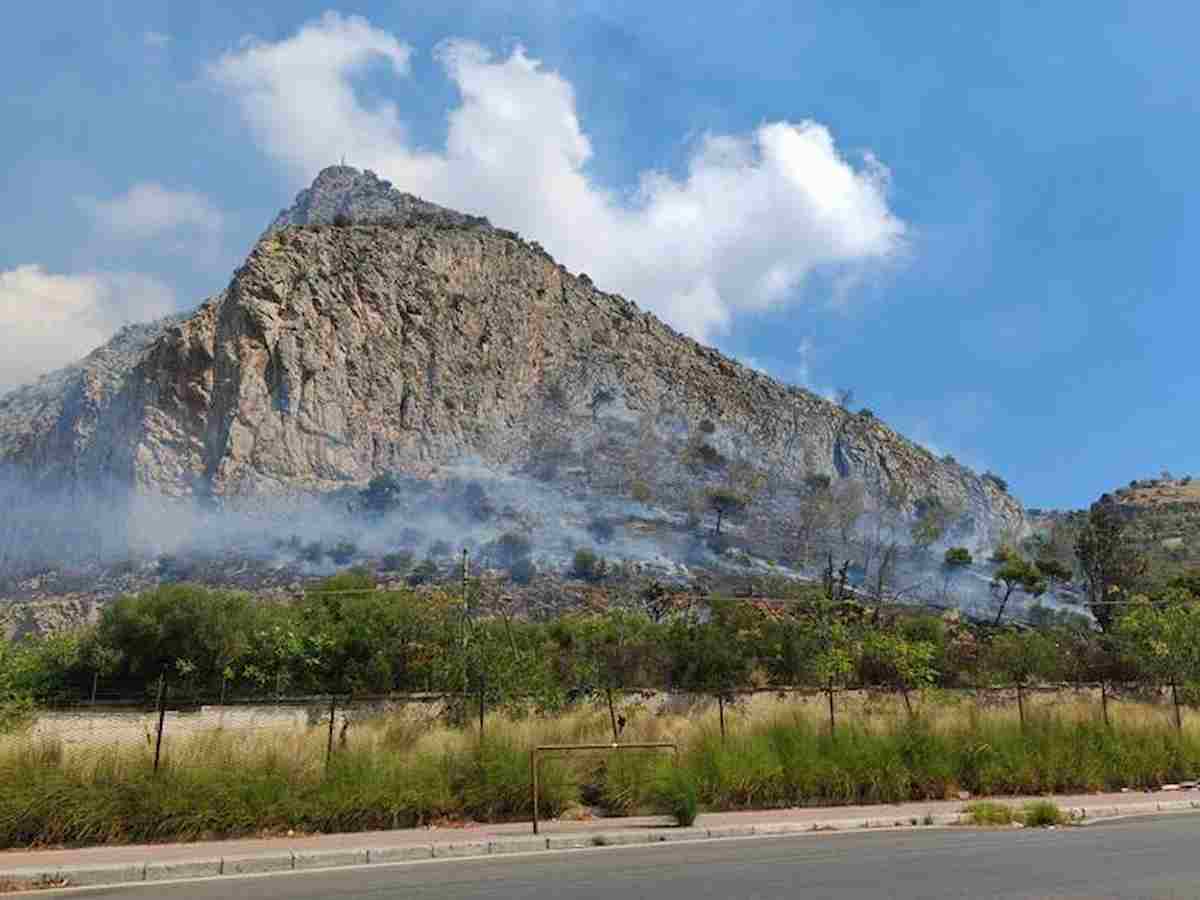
(1157, 858)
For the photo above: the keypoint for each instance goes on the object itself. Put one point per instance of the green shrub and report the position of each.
(988, 812)
(1043, 813)
(399, 561)
(957, 557)
(677, 795)
(588, 565)
(425, 572)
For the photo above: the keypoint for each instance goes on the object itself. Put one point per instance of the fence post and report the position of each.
(329, 745)
(832, 723)
(95, 685)
(533, 780)
(482, 690)
(1104, 702)
(612, 714)
(1175, 700)
(1020, 706)
(721, 710)
(162, 715)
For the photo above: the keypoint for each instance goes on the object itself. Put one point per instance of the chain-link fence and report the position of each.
(162, 721)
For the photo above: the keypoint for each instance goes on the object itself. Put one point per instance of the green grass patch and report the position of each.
(1042, 814)
(988, 812)
(397, 774)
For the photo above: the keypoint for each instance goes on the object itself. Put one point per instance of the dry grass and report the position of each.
(402, 769)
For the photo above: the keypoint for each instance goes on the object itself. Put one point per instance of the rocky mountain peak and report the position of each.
(423, 342)
(363, 198)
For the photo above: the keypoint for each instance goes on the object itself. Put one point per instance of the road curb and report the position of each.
(277, 861)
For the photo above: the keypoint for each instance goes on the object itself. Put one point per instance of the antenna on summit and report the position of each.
(343, 160)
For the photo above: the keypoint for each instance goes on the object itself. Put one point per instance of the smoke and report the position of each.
(51, 320)
(633, 487)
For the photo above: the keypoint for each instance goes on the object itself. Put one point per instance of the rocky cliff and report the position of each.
(405, 337)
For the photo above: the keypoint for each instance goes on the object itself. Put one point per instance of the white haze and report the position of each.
(50, 320)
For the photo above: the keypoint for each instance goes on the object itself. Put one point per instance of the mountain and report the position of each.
(371, 332)
(1162, 516)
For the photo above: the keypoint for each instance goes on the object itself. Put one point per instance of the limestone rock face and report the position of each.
(412, 337)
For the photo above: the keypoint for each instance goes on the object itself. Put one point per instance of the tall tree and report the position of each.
(1109, 560)
(725, 502)
(1016, 574)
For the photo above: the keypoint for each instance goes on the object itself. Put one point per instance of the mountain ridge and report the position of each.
(369, 331)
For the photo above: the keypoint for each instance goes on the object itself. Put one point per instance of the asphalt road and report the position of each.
(1129, 859)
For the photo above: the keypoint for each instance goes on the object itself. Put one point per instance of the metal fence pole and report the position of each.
(162, 715)
(533, 775)
(482, 704)
(612, 713)
(329, 745)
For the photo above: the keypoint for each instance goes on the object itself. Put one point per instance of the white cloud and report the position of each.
(149, 210)
(750, 219)
(51, 320)
(156, 39)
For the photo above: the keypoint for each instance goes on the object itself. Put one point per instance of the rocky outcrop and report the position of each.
(365, 199)
(408, 336)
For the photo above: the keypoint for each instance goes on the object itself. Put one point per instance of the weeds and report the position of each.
(397, 771)
(1042, 814)
(988, 812)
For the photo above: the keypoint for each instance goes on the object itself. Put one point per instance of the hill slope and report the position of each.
(408, 337)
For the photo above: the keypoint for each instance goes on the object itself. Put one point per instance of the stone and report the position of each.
(461, 848)
(325, 859)
(256, 863)
(172, 871)
(517, 845)
(400, 854)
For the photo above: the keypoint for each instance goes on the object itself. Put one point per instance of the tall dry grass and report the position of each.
(398, 770)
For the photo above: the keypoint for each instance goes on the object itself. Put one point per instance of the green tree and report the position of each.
(1021, 658)
(1013, 575)
(1054, 571)
(933, 519)
(382, 495)
(1163, 636)
(725, 502)
(957, 558)
(1110, 562)
(179, 629)
(906, 664)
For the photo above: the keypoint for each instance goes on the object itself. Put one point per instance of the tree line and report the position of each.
(345, 636)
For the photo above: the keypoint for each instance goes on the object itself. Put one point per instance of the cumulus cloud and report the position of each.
(149, 210)
(743, 228)
(51, 320)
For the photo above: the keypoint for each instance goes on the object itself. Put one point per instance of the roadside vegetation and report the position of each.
(399, 771)
(859, 701)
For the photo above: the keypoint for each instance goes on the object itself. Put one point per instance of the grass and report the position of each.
(399, 771)
(988, 812)
(1042, 814)
(1038, 814)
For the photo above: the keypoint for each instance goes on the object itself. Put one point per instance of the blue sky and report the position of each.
(977, 218)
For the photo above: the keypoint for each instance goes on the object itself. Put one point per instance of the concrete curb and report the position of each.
(299, 860)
